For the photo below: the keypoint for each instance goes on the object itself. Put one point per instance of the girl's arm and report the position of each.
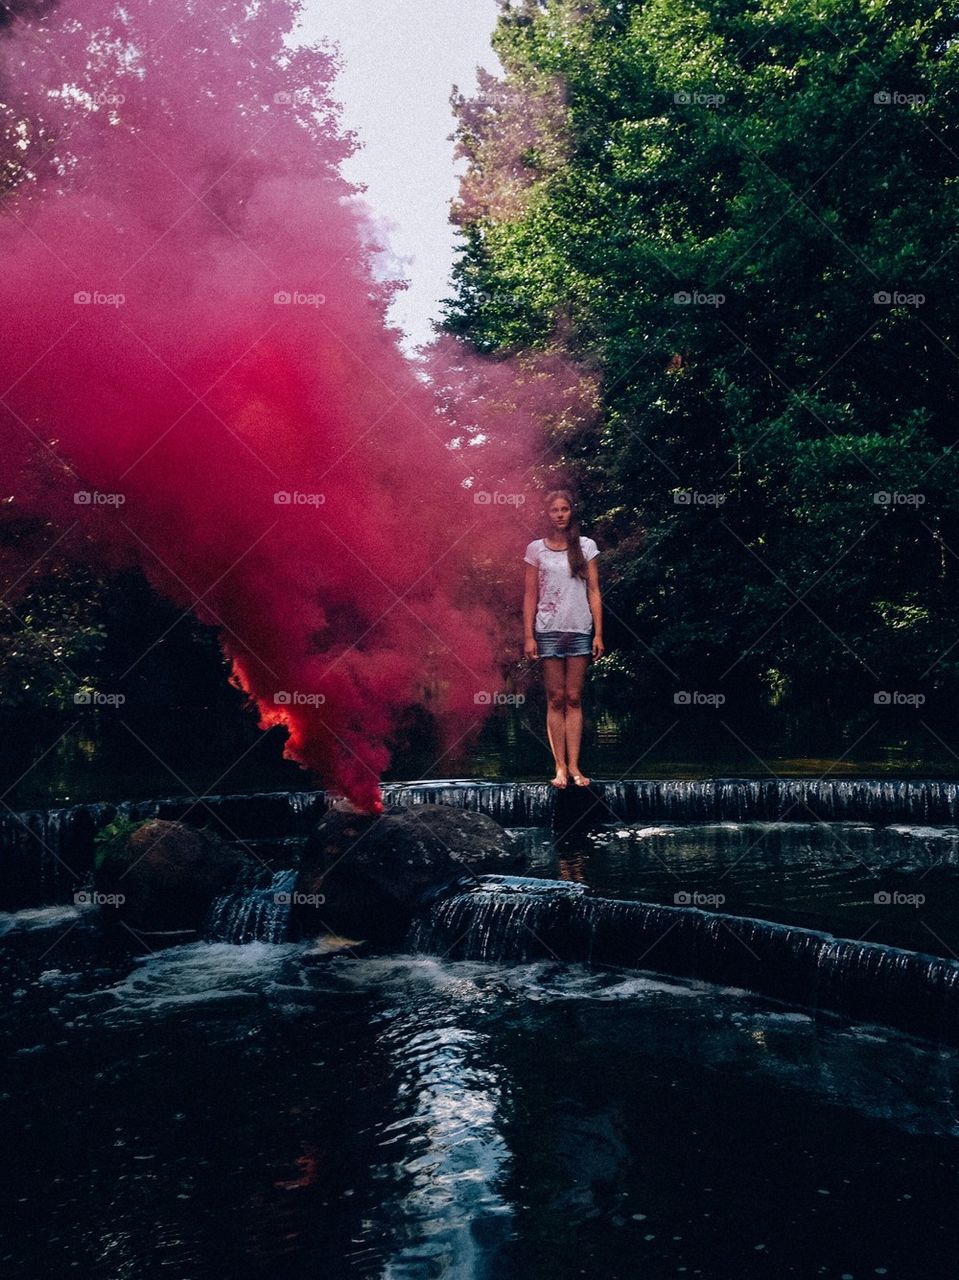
(595, 606)
(530, 598)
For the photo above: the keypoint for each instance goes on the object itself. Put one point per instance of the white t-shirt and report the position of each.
(563, 604)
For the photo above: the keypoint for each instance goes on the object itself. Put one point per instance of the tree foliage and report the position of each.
(747, 213)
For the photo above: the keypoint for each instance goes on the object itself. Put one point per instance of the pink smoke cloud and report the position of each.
(202, 383)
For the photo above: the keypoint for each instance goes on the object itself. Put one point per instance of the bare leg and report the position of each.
(554, 680)
(575, 676)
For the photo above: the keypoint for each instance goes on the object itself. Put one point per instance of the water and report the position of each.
(249, 1108)
(502, 920)
(46, 854)
(257, 910)
(94, 754)
(897, 883)
(253, 1111)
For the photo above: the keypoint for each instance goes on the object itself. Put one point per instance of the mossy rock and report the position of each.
(164, 875)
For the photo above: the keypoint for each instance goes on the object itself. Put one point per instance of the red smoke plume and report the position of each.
(201, 381)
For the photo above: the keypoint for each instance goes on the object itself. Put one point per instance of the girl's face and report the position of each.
(560, 512)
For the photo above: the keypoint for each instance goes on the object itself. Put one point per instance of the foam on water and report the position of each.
(37, 918)
(201, 973)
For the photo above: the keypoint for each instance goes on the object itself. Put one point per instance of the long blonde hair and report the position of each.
(574, 551)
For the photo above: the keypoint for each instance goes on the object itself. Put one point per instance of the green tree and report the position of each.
(747, 213)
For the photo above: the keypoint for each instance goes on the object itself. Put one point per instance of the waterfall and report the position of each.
(503, 920)
(45, 855)
(513, 804)
(879, 800)
(257, 910)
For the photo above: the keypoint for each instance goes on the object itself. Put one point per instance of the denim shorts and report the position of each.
(563, 644)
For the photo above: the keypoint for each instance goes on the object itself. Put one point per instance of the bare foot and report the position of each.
(561, 776)
(580, 779)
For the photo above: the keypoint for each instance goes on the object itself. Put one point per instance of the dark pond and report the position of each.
(228, 1111)
(216, 1111)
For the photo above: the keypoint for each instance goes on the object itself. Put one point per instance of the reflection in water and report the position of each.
(445, 1216)
(47, 854)
(266, 1110)
(571, 866)
(896, 884)
(105, 755)
(257, 1111)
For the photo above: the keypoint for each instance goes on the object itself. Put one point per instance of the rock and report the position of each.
(167, 875)
(366, 876)
(473, 838)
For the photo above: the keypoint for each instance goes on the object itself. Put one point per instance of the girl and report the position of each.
(562, 604)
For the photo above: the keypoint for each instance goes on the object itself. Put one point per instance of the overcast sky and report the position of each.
(402, 58)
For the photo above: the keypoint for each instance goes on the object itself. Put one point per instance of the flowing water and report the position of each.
(487, 1103)
(216, 1110)
(896, 883)
(257, 910)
